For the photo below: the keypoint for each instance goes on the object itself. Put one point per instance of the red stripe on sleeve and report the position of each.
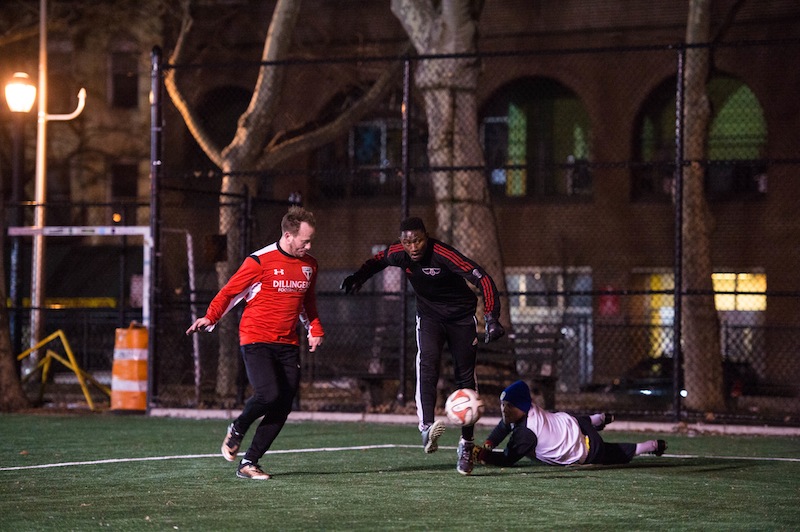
(395, 248)
(488, 295)
(452, 257)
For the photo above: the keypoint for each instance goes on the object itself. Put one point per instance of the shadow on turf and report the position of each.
(526, 469)
(697, 465)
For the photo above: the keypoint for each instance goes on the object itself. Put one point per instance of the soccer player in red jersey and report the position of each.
(446, 309)
(277, 282)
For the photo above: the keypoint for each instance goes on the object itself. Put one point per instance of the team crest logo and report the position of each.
(431, 271)
(307, 271)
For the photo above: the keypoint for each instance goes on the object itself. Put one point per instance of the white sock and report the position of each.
(649, 446)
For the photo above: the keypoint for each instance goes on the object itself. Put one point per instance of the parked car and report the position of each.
(652, 377)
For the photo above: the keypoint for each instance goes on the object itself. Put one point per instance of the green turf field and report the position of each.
(103, 471)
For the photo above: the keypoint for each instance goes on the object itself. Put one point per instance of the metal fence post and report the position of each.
(404, 156)
(156, 81)
(677, 356)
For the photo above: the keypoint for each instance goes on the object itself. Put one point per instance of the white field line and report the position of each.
(335, 449)
(215, 455)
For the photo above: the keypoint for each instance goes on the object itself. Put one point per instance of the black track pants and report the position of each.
(462, 340)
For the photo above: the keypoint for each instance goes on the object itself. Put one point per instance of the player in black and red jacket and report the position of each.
(446, 309)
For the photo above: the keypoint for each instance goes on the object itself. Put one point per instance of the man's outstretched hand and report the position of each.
(200, 324)
(493, 329)
(351, 284)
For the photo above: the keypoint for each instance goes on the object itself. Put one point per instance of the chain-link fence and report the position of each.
(577, 151)
(573, 156)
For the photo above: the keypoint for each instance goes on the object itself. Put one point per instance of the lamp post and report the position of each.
(20, 95)
(38, 269)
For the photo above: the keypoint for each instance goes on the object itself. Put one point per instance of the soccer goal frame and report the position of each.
(104, 231)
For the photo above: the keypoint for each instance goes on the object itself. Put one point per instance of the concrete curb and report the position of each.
(617, 426)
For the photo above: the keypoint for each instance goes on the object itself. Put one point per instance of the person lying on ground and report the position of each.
(555, 438)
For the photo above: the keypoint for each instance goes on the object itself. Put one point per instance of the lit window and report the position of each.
(734, 292)
(736, 287)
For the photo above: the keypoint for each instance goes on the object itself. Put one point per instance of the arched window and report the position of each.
(536, 139)
(736, 140)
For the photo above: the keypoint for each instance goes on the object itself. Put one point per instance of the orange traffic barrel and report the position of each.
(129, 372)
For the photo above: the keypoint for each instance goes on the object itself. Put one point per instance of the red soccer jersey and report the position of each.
(278, 289)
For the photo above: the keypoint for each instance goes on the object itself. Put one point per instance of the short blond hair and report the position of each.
(294, 217)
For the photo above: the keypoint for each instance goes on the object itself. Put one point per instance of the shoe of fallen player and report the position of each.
(660, 447)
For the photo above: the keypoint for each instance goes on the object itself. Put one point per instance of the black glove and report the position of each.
(351, 284)
(493, 329)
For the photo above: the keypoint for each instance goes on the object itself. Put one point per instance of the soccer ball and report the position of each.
(464, 407)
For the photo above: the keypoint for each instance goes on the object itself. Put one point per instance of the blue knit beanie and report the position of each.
(519, 395)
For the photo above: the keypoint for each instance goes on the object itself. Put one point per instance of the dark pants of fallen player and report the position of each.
(462, 340)
(274, 374)
(601, 452)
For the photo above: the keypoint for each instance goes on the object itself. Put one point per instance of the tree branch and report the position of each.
(253, 128)
(281, 151)
(191, 119)
(417, 18)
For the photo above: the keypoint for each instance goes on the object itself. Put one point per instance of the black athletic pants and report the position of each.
(462, 340)
(274, 373)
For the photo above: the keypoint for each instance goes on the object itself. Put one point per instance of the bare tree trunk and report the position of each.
(700, 322)
(12, 396)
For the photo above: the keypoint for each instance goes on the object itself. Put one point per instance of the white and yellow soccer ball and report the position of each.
(464, 407)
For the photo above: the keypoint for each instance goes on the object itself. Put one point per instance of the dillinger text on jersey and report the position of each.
(290, 286)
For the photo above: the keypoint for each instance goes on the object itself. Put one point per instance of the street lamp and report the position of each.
(20, 95)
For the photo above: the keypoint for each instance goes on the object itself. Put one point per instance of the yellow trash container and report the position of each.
(129, 372)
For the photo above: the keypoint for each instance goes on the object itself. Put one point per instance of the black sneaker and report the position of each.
(231, 443)
(660, 447)
(251, 471)
(466, 458)
(607, 418)
(430, 436)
